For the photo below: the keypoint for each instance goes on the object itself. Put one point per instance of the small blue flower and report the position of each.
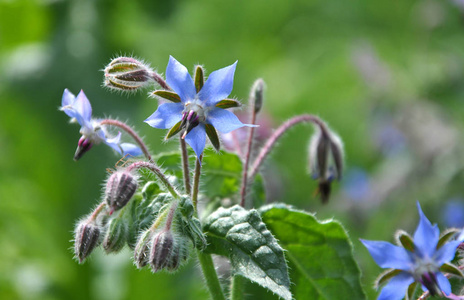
(79, 109)
(196, 110)
(421, 265)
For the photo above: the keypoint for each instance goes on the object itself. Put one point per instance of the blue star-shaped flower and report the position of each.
(79, 109)
(196, 111)
(421, 265)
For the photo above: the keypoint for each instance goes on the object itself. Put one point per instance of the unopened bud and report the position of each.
(257, 95)
(325, 160)
(120, 188)
(83, 146)
(161, 250)
(127, 74)
(142, 249)
(115, 236)
(86, 239)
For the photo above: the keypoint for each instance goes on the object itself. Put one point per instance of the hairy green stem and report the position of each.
(185, 166)
(196, 182)
(236, 288)
(152, 167)
(211, 278)
(131, 132)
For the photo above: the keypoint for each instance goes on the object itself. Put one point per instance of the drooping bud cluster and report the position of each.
(120, 188)
(127, 74)
(325, 159)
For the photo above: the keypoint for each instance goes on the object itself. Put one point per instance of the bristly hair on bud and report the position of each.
(168, 251)
(87, 238)
(325, 159)
(257, 95)
(120, 188)
(127, 74)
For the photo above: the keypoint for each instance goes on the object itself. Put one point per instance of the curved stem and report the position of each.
(211, 278)
(243, 188)
(152, 167)
(156, 77)
(131, 132)
(196, 183)
(97, 211)
(278, 133)
(185, 165)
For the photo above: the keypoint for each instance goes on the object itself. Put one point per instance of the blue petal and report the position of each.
(83, 108)
(387, 255)
(68, 98)
(218, 85)
(131, 149)
(443, 283)
(196, 138)
(396, 288)
(224, 120)
(179, 80)
(114, 142)
(166, 116)
(446, 253)
(426, 236)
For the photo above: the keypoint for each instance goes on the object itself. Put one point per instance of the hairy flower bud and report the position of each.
(127, 74)
(257, 95)
(87, 237)
(115, 236)
(161, 250)
(325, 160)
(120, 188)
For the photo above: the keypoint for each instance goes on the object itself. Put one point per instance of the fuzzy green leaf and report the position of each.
(320, 254)
(253, 251)
(228, 103)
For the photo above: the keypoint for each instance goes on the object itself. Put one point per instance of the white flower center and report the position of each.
(197, 106)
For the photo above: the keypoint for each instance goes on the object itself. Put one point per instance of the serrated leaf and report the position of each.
(221, 176)
(228, 103)
(319, 254)
(168, 95)
(253, 251)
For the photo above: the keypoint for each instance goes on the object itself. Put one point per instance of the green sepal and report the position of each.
(228, 103)
(120, 85)
(168, 95)
(173, 131)
(199, 78)
(446, 236)
(190, 224)
(213, 136)
(451, 269)
(405, 240)
(116, 235)
(385, 276)
(411, 291)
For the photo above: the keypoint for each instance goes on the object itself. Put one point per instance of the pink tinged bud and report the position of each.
(86, 239)
(83, 146)
(127, 74)
(161, 250)
(120, 188)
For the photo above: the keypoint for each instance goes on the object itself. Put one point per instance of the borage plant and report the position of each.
(156, 211)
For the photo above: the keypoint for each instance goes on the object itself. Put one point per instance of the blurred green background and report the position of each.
(386, 75)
